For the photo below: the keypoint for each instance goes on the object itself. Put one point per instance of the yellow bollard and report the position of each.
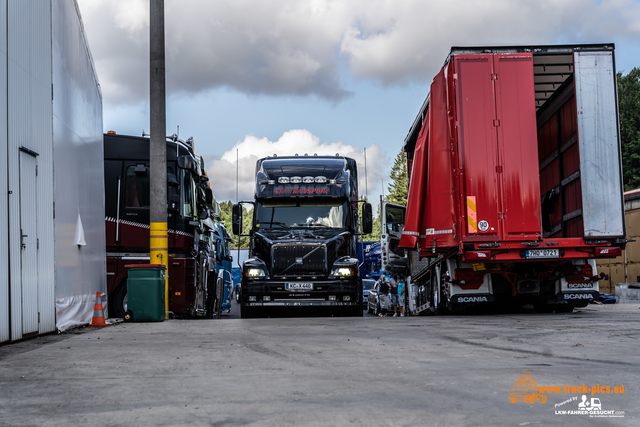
(159, 253)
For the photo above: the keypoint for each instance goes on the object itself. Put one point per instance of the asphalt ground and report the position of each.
(370, 371)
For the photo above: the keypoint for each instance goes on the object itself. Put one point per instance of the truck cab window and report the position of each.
(187, 194)
(395, 219)
(279, 215)
(136, 188)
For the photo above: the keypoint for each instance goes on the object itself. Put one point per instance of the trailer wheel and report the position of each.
(564, 308)
(120, 301)
(543, 307)
(438, 303)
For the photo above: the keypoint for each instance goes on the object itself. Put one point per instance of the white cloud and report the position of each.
(222, 170)
(300, 47)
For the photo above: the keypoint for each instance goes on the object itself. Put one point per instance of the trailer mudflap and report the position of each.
(471, 298)
(578, 296)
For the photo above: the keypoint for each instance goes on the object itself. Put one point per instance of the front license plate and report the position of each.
(543, 253)
(299, 286)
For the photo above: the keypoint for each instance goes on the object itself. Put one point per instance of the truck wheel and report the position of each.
(120, 301)
(542, 307)
(564, 308)
(457, 307)
(358, 311)
(247, 312)
(438, 305)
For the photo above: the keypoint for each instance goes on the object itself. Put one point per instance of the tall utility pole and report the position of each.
(158, 243)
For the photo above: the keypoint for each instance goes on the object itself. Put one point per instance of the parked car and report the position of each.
(367, 285)
(374, 303)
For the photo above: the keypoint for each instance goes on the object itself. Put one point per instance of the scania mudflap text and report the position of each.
(302, 254)
(515, 183)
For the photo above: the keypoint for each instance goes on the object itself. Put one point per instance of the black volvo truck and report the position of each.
(303, 240)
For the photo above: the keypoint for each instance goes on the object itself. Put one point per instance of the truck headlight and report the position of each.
(255, 273)
(344, 271)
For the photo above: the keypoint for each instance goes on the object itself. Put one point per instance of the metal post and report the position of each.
(158, 243)
(366, 184)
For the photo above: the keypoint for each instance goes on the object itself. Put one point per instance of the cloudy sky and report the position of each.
(315, 76)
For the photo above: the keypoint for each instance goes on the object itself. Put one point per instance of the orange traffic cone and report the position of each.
(98, 313)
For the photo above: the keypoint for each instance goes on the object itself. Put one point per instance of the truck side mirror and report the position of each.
(367, 218)
(208, 195)
(237, 219)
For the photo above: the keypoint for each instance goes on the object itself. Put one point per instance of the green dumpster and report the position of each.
(145, 293)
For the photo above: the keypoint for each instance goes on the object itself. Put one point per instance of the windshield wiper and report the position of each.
(276, 223)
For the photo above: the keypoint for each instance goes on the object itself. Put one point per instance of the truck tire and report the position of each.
(457, 307)
(564, 308)
(543, 307)
(120, 301)
(438, 304)
(248, 312)
(359, 310)
(211, 296)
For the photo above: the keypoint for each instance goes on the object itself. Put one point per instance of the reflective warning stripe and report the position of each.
(411, 233)
(472, 214)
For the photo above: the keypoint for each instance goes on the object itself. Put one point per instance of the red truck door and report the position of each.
(519, 175)
(498, 146)
(478, 150)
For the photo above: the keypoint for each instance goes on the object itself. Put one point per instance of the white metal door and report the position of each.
(600, 170)
(28, 243)
(393, 258)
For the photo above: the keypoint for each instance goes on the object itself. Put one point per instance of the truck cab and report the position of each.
(303, 254)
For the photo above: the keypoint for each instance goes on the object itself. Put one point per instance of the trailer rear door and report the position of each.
(498, 145)
(477, 145)
(600, 169)
(517, 146)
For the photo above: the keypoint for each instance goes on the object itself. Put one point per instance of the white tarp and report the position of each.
(80, 248)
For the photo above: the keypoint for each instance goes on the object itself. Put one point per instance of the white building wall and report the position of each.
(79, 171)
(44, 54)
(29, 126)
(5, 334)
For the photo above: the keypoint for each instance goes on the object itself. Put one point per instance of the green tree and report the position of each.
(397, 187)
(629, 106)
(226, 213)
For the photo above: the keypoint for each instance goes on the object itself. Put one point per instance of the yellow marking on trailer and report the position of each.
(472, 214)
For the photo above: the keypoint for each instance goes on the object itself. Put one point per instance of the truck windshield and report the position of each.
(312, 214)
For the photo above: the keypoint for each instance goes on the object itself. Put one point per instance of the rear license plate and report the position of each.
(543, 253)
(299, 286)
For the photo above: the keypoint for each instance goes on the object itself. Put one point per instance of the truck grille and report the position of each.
(297, 260)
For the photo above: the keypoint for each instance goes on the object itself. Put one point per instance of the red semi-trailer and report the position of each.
(515, 183)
